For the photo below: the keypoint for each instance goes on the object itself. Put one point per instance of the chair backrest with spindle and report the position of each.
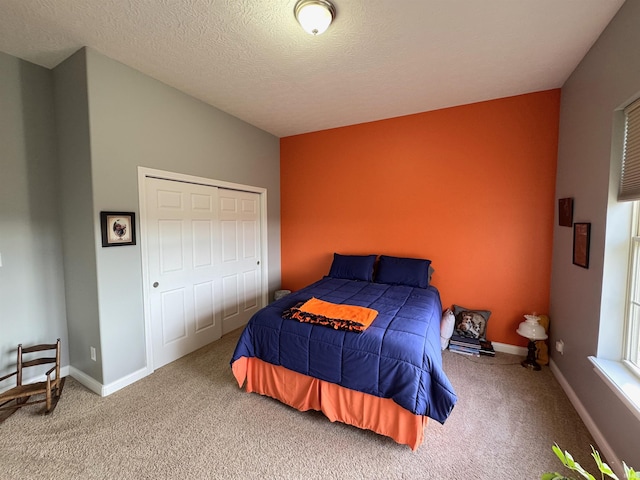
(25, 351)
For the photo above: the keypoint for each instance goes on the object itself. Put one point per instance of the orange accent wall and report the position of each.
(469, 187)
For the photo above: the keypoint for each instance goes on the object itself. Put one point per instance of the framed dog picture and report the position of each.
(118, 228)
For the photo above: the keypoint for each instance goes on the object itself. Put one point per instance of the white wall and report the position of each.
(588, 302)
(71, 141)
(134, 121)
(32, 306)
(74, 151)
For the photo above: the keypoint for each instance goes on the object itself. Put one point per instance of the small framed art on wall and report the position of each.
(118, 228)
(565, 212)
(581, 239)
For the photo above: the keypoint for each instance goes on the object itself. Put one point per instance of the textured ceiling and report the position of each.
(379, 59)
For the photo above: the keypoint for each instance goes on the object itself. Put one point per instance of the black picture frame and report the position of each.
(581, 241)
(565, 212)
(118, 228)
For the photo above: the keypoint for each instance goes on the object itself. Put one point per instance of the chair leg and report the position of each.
(55, 397)
(48, 401)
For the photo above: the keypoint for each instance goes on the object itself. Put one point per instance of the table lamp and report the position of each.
(532, 330)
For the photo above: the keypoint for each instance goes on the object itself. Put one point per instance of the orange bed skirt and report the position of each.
(381, 415)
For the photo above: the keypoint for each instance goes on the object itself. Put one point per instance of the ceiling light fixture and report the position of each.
(314, 16)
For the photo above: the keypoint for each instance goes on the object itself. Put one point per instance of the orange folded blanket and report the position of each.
(338, 316)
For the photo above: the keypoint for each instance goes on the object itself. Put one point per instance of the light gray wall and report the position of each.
(71, 107)
(138, 121)
(71, 141)
(32, 305)
(586, 303)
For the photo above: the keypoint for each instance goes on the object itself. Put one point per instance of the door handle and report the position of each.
(155, 284)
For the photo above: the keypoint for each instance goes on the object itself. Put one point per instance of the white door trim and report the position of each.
(143, 173)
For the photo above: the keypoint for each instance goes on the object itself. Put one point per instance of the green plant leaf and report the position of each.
(602, 466)
(630, 473)
(571, 463)
(553, 476)
(556, 449)
(576, 467)
(568, 461)
(583, 472)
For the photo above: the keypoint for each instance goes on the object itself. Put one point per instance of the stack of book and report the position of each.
(471, 346)
(486, 348)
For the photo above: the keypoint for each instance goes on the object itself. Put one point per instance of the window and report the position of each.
(632, 325)
(618, 360)
(630, 190)
(630, 178)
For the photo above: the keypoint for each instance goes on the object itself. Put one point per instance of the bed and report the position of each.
(387, 378)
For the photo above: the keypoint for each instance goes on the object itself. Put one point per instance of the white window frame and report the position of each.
(631, 351)
(623, 223)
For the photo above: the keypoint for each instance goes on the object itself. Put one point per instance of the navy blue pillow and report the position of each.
(413, 272)
(353, 267)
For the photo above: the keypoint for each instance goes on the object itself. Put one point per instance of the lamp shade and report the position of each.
(314, 16)
(531, 329)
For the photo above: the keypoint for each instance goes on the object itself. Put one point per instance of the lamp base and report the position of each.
(530, 361)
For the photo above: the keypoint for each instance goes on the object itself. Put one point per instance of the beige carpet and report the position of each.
(189, 420)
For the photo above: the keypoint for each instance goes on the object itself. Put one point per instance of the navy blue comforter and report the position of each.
(397, 357)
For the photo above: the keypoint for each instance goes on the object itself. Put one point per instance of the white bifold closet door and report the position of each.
(203, 250)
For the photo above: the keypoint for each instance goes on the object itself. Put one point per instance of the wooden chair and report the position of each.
(51, 388)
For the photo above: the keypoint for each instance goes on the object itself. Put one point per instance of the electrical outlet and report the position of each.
(560, 347)
(93, 353)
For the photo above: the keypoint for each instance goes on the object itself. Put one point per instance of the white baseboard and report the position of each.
(512, 349)
(603, 446)
(125, 381)
(89, 382)
(104, 390)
